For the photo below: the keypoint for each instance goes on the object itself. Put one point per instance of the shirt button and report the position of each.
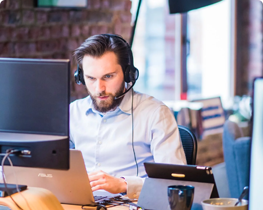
(99, 142)
(104, 120)
(98, 164)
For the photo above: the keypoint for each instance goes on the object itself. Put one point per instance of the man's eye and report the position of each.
(108, 76)
(90, 78)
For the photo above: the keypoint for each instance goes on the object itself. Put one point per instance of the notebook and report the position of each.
(160, 176)
(69, 186)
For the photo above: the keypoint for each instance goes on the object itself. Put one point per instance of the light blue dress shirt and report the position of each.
(105, 139)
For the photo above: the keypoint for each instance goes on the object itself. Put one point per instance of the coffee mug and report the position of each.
(180, 197)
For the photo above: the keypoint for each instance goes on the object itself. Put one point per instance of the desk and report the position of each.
(75, 207)
(42, 199)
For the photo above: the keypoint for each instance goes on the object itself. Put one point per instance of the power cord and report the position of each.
(8, 153)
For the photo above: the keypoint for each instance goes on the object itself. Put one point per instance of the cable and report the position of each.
(3, 176)
(4, 180)
(133, 136)
(17, 184)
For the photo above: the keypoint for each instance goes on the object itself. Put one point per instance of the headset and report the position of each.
(131, 73)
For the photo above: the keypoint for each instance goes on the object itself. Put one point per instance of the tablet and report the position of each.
(192, 173)
(160, 176)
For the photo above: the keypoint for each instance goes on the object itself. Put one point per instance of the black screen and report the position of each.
(34, 96)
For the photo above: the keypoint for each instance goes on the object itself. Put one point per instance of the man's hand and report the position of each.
(99, 180)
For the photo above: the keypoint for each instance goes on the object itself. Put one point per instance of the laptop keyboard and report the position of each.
(99, 197)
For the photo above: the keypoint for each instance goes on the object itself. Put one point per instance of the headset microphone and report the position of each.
(126, 91)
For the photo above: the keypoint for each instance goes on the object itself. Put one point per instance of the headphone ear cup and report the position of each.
(78, 75)
(131, 75)
(127, 71)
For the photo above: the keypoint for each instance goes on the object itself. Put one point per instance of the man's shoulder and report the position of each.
(80, 103)
(144, 100)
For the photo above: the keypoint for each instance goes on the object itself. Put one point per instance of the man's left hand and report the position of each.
(99, 180)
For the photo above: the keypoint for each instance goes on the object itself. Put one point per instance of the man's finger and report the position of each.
(96, 176)
(97, 182)
(99, 187)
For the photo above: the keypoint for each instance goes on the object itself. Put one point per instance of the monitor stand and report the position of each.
(32, 198)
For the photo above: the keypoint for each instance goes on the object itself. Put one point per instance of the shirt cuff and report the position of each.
(134, 186)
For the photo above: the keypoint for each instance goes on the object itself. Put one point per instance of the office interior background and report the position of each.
(215, 51)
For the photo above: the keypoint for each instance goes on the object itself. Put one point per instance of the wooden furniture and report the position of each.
(32, 198)
(41, 199)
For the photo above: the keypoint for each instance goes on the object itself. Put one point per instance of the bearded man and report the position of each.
(116, 128)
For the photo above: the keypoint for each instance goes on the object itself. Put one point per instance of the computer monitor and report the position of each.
(34, 111)
(256, 159)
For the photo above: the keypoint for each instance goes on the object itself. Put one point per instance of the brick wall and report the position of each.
(29, 32)
(249, 45)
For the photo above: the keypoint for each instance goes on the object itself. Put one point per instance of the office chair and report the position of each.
(189, 144)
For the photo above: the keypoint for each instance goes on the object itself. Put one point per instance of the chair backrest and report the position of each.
(236, 149)
(189, 144)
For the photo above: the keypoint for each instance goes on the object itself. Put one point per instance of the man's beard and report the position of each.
(110, 103)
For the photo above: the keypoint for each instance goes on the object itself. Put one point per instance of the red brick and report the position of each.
(75, 30)
(99, 29)
(31, 48)
(47, 46)
(55, 16)
(118, 5)
(27, 3)
(96, 17)
(28, 17)
(5, 33)
(55, 31)
(117, 26)
(94, 4)
(65, 31)
(33, 33)
(76, 16)
(105, 4)
(20, 34)
(10, 48)
(14, 17)
(128, 5)
(44, 32)
(23, 48)
(64, 16)
(72, 44)
(41, 17)
(59, 55)
(85, 30)
(63, 44)
(125, 17)
(123, 30)
(12, 4)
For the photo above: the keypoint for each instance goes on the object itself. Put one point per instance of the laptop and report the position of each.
(69, 186)
(160, 176)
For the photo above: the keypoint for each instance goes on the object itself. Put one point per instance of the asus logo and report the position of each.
(45, 175)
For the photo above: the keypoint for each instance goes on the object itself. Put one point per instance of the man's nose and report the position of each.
(100, 86)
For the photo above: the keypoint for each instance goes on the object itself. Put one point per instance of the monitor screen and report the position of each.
(256, 160)
(34, 110)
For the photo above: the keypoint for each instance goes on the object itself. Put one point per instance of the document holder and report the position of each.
(154, 192)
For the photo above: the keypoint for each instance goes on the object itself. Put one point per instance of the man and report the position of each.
(116, 128)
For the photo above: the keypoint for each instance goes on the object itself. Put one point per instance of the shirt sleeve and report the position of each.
(134, 186)
(166, 145)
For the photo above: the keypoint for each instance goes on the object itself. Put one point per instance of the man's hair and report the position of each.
(97, 45)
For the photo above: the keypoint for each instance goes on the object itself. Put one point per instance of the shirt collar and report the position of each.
(125, 105)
